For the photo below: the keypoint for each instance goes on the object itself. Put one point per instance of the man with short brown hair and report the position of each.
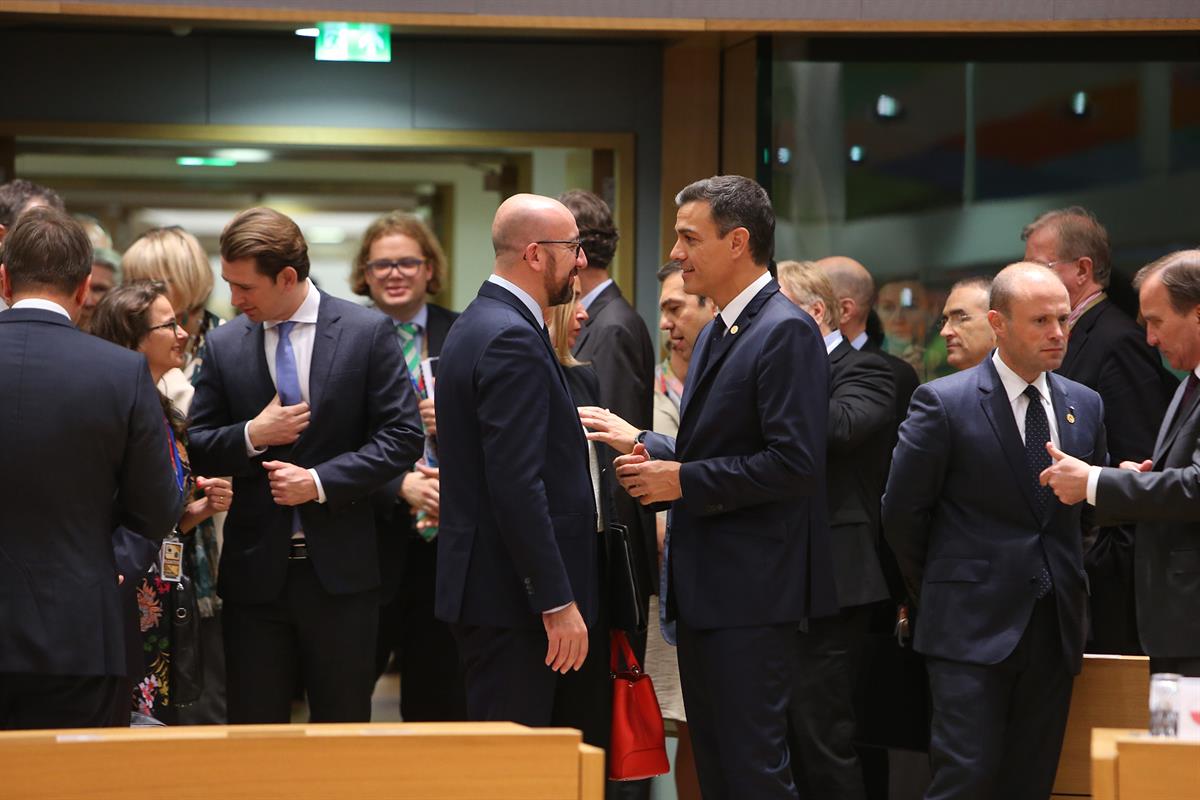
(305, 400)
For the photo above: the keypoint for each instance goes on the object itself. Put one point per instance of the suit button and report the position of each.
(529, 587)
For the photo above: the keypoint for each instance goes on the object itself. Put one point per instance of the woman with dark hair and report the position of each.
(139, 316)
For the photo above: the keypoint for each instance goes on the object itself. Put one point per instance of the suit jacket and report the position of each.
(617, 345)
(83, 450)
(393, 516)
(905, 378)
(1165, 503)
(517, 533)
(364, 431)
(749, 537)
(959, 515)
(1107, 351)
(861, 429)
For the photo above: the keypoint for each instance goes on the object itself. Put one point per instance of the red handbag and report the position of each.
(639, 746)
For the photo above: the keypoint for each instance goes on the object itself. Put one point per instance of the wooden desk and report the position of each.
(1130, 765)
(1110, 692)
(442, 761)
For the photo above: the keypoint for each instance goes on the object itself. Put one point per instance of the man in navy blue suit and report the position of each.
(748, 557)
(517, 544)
(992, 560)
(306, 401)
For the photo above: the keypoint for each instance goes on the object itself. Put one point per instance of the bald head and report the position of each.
(1017, 281)
(850, 279)
(526, 218)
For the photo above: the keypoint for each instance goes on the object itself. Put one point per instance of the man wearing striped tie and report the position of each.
(306, 401)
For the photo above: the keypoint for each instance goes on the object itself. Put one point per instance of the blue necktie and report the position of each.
(287, 379)
(287, 383)
(1037, 433)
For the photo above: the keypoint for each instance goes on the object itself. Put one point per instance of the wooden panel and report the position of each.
(739, 109)
(1104, 762)
(691, 106)
(1110, 692)
(452, 761)
(592, 775)
(1157, 769)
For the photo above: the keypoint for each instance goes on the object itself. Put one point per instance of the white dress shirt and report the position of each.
(858, 341)
(1014, 387)
(832, 341)
(521, 294)
(302, 337)
(1094, 472)
(41, 304)
(591, 296)
(737, 305)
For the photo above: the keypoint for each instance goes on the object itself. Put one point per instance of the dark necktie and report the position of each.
(1037, 433)
(718, 331)
(1189, 392)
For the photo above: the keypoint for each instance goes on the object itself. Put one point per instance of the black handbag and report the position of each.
(627, 602)
(187, 663)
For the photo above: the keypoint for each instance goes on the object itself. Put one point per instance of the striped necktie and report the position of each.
(408, 333)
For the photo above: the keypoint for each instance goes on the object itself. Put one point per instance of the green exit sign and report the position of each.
(353, 41)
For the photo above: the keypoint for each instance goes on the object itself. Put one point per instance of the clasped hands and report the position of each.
(1068, 476)
(646, 480)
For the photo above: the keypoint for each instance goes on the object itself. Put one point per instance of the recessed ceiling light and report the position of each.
(245, 155)
(1079, 104)
(887, 107)
(310, 33)
(857, 154)
(198, 161)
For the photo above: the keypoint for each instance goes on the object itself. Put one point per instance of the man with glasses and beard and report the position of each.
(517, 543)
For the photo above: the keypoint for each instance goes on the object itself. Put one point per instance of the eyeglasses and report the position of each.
(172, 324)
(1053, 264)
(955, 320)
(575, 243)
(382, 267)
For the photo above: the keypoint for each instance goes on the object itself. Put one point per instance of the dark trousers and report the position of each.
(821, 715)
(29, 701)
(431, 676)
(507, 680)
(307, 638)
(736, 686)
(998, 729)
(1185, 667)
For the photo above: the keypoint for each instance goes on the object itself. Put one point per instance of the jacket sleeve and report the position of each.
(862, 402)
(396, 438)
(1135, 395)
(148, 498)
(793, 418)
(216, 441)
(914, 484)
(1170, 495)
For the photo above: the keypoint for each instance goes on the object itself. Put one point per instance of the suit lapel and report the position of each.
(1079, 337)
(999, 413)
(254, 352)
(497, 292)
(1173, 422)
(1071, 438)
(324, 349)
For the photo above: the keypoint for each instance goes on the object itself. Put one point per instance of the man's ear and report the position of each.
(1087, 270)
(739, 241)
(533, 256)
(5, 291)
(82, 291)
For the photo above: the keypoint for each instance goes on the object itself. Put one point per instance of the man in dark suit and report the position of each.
(861, 406)
(748, 555)
(1107, 351)
(305, 400)
(400, 265)
(83, 450)
(517, 544)
(994, 563)
(616, 342)
(1159, 493)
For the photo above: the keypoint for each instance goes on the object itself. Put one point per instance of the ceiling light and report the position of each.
(244, 155)
(857, 154)
(310, 33)
(887, 107)
(198, 161)
(1079, 104)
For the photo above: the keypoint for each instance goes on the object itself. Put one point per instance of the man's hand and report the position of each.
(421, 489)
(568, 637)
(648, 481)
(290, 485)
(428, 418)
(278, 424)
(605, 426)
(1067, 476)
(1144, 466)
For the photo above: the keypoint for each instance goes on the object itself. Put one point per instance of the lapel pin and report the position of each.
(734, 329)
(1071, 415)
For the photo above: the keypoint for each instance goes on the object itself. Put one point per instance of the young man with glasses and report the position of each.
(400, 265)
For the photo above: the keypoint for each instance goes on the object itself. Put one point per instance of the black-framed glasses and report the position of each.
(578, 245)
(173, 324)
(382, 267)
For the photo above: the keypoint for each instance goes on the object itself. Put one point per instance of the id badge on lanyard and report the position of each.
(170, 553)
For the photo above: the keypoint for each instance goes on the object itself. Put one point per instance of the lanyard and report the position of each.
(176, 462)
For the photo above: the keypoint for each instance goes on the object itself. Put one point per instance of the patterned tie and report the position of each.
(287, 379)
(287, 383)
(408, 333)
(1037, 433)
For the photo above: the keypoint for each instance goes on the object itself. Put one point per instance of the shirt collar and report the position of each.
(521, 294)
(307, 312)
(1014, 384)
(421, 318)
(591, 296)
(734, 308)
(1085, 305)
(833, 340)
(858, 341)
(41, 304)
